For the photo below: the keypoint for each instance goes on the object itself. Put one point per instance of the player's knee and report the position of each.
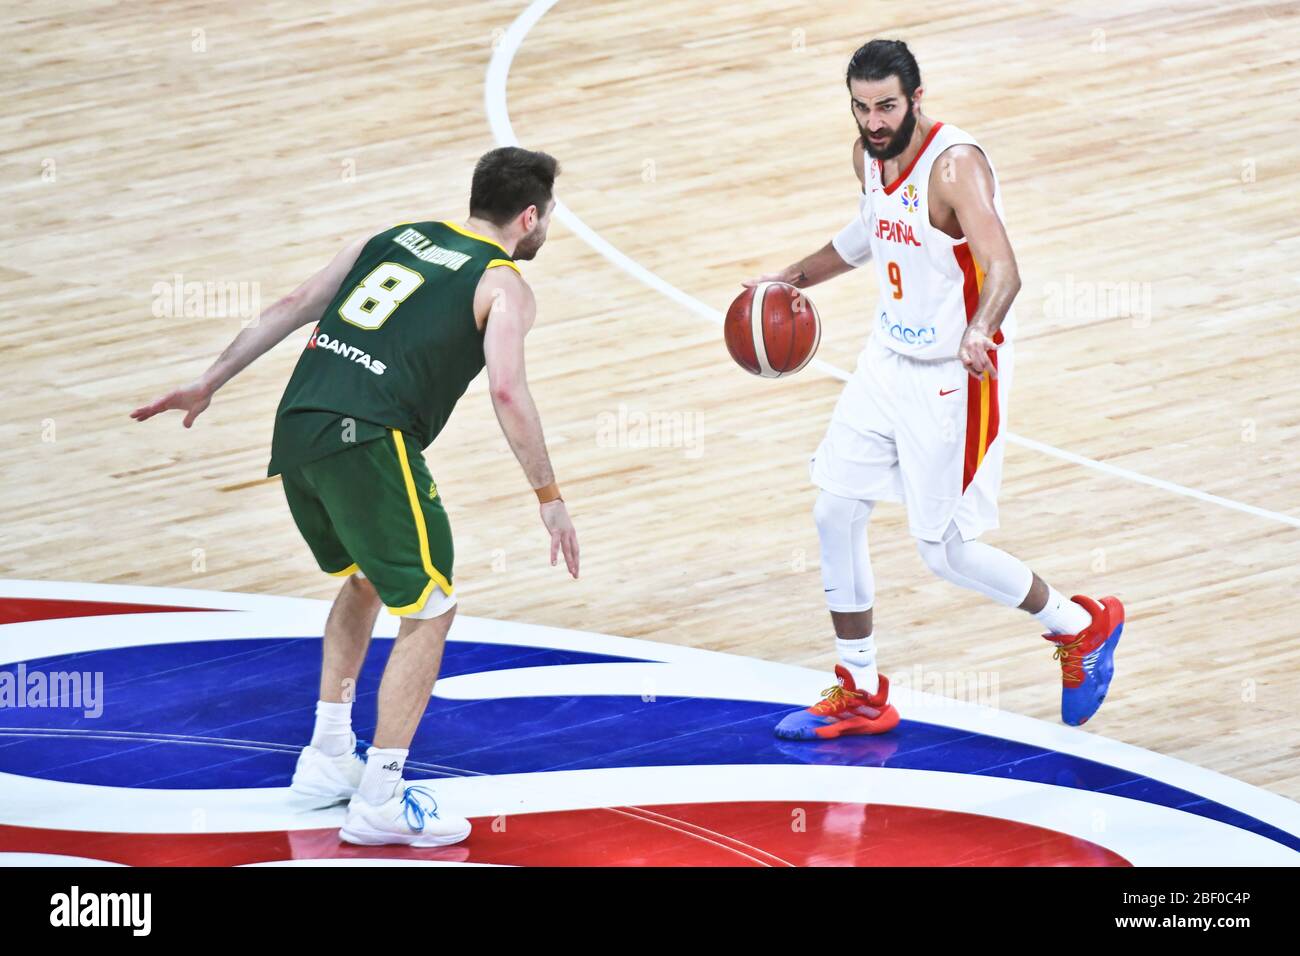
(431, 621)
(824, 513)
(359, 588)
(835, 516)
(935, 556)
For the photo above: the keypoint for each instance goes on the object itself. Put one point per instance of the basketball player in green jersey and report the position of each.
(405, 319)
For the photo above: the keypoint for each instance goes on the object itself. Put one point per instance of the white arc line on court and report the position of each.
(498, 115)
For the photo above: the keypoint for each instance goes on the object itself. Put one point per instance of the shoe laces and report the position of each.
(1062, 654)
(835, 698)
(416, 810)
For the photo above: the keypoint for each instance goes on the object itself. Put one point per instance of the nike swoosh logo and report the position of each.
(942, 393)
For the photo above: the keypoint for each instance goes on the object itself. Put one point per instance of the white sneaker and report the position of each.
(411, 817)
(328, 778)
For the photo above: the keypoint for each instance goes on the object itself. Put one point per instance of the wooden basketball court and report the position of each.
(1148, 173)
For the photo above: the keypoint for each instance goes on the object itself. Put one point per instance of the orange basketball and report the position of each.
(772, 329)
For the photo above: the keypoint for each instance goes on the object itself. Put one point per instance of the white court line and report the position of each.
(498, 115)
(703, 834)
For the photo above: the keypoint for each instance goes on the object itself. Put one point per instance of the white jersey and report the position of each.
(930, 283)
(912, 424)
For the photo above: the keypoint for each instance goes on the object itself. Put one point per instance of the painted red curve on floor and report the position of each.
(17, 610)
(801, 833)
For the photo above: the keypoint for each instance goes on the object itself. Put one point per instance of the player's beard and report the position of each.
(897, 143)
(527, 246)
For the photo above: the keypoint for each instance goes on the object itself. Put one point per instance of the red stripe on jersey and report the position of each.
(970, 285)
(980, 432)
(902, 177)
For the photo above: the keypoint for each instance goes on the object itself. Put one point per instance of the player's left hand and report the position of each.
(192, 399)
(976, 344)
(555, 515)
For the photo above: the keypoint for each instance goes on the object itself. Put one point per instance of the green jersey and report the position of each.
(396, 348)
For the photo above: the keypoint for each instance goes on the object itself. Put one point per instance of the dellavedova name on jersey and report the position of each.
(426, 250)
(319, 340)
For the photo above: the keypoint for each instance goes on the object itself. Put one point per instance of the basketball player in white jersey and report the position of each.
(923, 418)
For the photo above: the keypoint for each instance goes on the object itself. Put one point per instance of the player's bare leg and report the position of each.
(385, 809)
(1036, 599)
(851, 625)
(329, 769)
(409, 677)
(347, 638)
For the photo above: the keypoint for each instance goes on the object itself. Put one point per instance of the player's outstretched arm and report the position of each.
(505, 302)
(304, 304)
(969, 192)
(850, 249)
(825, 263)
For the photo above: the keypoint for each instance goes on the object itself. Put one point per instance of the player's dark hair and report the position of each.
(508, 180)
(880, 59)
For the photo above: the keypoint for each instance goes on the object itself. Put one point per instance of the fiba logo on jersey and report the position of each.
(911, 198)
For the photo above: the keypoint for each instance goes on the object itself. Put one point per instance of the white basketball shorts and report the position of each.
(925, 433)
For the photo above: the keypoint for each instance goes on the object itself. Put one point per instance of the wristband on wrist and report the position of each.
(550, 492)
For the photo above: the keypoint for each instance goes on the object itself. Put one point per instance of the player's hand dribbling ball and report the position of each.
(772, 329)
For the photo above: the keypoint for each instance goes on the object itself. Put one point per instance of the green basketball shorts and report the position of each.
(375, 508)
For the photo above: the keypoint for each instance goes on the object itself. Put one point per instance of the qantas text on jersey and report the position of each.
(322, 341)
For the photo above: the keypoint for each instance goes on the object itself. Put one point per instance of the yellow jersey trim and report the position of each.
(473, 235)
(350, 569)
(502, 262)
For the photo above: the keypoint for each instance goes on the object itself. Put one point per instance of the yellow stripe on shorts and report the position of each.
(435, 576)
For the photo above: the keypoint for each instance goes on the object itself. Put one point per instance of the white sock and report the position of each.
(1061, 616)
(860, 658)
(333, 733)
(382, 775)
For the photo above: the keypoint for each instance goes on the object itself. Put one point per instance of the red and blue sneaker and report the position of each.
(843, 711)
(1088, 658)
